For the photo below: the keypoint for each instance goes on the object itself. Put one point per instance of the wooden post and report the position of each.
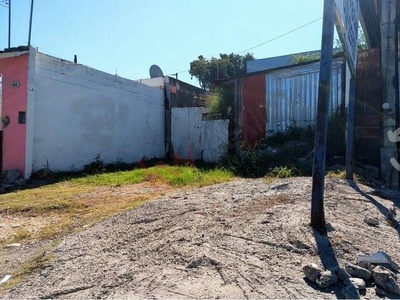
(321, 128)
(350, 129)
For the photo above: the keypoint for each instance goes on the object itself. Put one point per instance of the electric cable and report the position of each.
(266, 42)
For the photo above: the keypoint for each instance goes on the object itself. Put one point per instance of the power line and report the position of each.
(269, 41)
(282, 35)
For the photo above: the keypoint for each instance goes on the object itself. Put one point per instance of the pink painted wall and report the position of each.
(14, 100)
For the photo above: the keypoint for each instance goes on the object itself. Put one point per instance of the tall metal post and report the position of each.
(30, 24)
(321, 128)
(350, 129)
(389, 63)
(9, 23)
(169, 149)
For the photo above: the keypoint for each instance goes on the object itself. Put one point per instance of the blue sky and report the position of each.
(131, 35)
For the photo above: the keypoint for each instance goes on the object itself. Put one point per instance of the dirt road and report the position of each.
(242, 239)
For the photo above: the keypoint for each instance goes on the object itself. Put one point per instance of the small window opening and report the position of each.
(21, 117)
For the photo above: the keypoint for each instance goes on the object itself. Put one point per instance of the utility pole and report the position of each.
(9, 23)
(30, 24)
(321, 128)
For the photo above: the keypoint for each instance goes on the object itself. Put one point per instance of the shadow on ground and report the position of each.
(392, 195)
(328, 259)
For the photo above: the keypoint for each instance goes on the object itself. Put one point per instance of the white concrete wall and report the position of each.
(194, 138)
(30, 114)
(214, 139)
(80, 112)
(157, 82)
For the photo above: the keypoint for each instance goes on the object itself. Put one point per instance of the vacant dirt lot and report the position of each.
(242, 239)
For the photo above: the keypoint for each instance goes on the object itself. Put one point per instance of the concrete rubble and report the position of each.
(386, 279)
(355, 278)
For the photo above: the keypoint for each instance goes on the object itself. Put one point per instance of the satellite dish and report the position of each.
(155, 71)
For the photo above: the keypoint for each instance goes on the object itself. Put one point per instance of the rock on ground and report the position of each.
(312, 271)
(357, 271)
(371, 221)
(326, 279)
(386, 279)
(365, 265)
(358, 283)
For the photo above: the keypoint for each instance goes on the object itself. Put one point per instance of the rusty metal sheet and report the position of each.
(254, 110)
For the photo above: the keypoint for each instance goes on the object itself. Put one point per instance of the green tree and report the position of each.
(209, 71)
(361, 41)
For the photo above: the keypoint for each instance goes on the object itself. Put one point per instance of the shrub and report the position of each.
(287, 153)
(220, 101)
(284, 172)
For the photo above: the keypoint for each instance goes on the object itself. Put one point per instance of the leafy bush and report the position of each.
(284, 172)
(288, 153)
(220, 100)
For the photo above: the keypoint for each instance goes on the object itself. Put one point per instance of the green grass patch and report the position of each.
(51, 198)
(111, 179)
(172, 175)
(84, 201)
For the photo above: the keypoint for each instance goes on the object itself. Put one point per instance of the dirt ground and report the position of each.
(242, 239)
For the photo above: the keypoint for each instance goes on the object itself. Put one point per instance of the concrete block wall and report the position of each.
(78, 112)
